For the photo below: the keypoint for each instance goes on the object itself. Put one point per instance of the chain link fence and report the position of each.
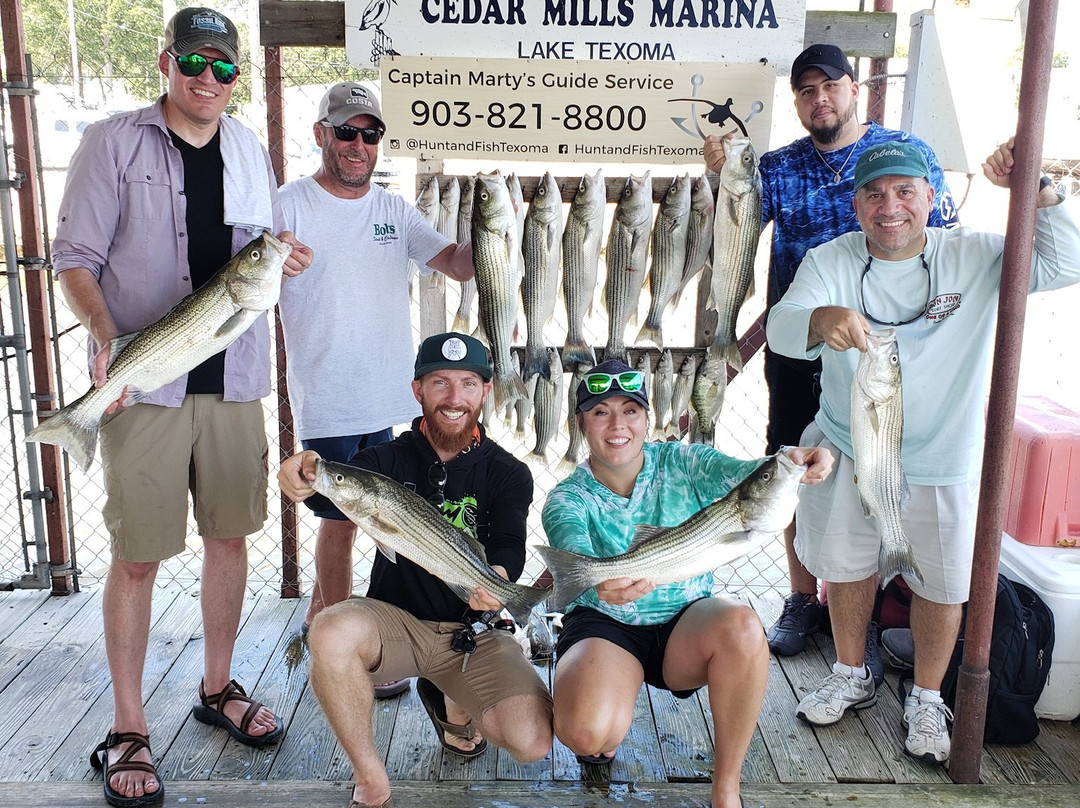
(308, 72)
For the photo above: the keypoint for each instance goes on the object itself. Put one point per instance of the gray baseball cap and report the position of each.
(194, 28)
(346, 100)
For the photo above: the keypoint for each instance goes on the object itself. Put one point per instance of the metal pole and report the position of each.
(974, 678)
(40, 577)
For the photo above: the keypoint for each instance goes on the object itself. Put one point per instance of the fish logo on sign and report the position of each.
(719, 114)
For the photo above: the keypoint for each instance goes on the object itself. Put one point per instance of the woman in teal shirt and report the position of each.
(624, 632)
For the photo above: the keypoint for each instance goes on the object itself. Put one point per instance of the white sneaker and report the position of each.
(836, 693)
(926, 718)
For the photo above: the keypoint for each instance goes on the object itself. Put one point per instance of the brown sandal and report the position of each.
(99, 759)
(388, 804)
(211, 708)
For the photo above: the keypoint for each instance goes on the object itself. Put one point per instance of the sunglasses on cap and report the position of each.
(371, 135)
(194, 64)
(629, 382)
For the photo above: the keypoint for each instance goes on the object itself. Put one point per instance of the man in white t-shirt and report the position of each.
(348, 336)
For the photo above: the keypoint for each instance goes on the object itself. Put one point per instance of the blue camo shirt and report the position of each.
(584, 516)
(807, 208)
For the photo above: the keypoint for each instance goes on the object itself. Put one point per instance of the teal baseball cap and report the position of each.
(452, 351)
(896, 158)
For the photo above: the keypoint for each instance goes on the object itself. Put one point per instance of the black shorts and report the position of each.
(793, 398)
(646, 643)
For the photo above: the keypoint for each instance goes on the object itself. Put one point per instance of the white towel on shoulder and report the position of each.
(247, 182)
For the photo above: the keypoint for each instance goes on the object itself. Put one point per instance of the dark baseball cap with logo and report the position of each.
(896, 158)
(346, 100)
(194, 28)
(829, 59)
(607, 380)
(452, 351)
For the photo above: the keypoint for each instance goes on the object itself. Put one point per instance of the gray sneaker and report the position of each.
(927, 721)
(800, 618)
(837, 692)
(898, 648)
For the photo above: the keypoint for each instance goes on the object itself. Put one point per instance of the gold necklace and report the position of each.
(836, 174)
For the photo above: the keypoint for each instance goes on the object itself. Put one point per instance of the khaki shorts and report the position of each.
(154, 456)
(835, 542)
(496, 670)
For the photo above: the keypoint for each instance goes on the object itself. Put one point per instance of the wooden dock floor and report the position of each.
(55, 706)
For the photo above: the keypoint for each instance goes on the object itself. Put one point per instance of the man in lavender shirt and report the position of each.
(156, 202)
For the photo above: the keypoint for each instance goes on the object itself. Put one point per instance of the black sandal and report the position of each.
(99, 759)
(435, 705)
(210, 710)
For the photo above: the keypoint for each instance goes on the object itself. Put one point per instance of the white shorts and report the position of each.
(835, 542)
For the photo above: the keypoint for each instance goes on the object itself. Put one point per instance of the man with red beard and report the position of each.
(406, 624)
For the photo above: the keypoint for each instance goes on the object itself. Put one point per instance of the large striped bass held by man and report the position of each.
(877, 433)
(497, 263)
(201, 325)
(755, 510)
(736, 226)
(401, 521)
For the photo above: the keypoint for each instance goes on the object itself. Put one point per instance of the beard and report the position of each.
(826, 135)
(337, 168)
(452, 440)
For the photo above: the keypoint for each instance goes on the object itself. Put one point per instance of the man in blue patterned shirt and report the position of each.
(807, 188)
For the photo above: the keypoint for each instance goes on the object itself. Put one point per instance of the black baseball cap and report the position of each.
(194, 28)
(586, 399)
(452, 351)
(829, 59)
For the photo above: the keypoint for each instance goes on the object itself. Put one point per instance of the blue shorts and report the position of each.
(647, 643)
(341, 450)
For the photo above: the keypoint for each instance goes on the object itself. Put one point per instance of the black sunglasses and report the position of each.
(437, 477)
(193, 64)
(371, 135)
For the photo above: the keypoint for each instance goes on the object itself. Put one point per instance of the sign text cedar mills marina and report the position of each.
(605, 13)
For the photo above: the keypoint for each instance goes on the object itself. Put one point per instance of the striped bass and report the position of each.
(582, 236)
(736, 229)
(463, 316)
(663, 387)
(497, 262)
(576, 440)
(548, 400)
(681, 392)
(755, 510)
(877, 433)
(699, 233)
(670, 236)
(541, 249)
(401, 521)
(201, 325)
(707, 398)
(627, 252)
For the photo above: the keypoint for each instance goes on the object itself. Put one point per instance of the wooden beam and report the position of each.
(863, 34)
(301, 23)
(284, 23)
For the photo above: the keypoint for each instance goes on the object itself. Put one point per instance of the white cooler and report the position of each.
(1054, 574)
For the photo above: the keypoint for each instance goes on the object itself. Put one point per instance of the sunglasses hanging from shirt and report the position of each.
(194, 64)
(872, 318)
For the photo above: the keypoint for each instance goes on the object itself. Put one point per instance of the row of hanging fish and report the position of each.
(531, 250)
(695, 389)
